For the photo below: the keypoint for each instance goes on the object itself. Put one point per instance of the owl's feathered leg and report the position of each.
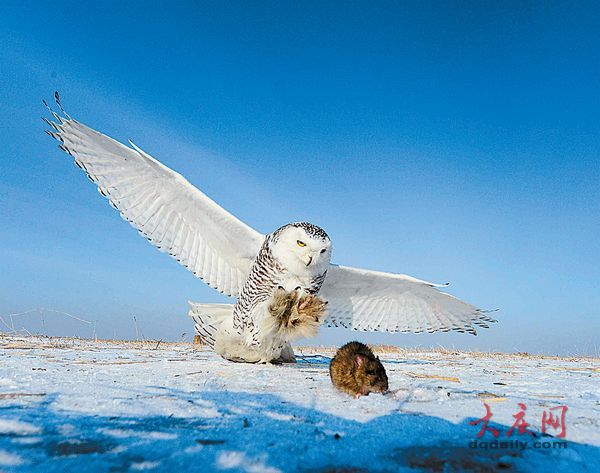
(297, 316)
(282, 303)
(287, 354)
(307, 316)
(285, 304)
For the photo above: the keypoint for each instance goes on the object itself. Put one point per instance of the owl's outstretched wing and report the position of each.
(376, 301)
(163, 206)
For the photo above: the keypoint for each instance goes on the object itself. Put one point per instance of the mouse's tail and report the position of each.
(207, 319)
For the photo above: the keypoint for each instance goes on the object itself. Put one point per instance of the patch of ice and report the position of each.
(118, 449)
(123, 434)
(66, 429)
(232, 459)
(252, 404)
(27, 440)
(228, 460)
(194, 449)
(144, 466)
(8, 426)
(278, 416)
(9, 459)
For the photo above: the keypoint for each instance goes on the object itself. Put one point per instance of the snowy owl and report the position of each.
(284, 282)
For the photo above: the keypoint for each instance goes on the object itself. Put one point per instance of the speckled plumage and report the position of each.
(257, 330)
(233, 258)
(266, 275)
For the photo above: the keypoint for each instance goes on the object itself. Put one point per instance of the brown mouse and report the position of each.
(355, 370)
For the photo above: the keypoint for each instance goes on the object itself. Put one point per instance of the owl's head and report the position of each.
(302, 247)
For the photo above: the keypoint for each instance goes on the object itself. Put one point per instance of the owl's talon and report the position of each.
(305, 302)
(312, 306)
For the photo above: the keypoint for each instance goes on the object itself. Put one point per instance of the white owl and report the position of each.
(280, 280)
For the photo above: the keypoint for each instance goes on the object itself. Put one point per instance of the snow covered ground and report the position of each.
(70, 405)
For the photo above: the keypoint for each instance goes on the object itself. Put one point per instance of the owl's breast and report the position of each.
(308, 281)
(291, 281)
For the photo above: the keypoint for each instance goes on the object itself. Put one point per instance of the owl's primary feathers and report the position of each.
(238, 261)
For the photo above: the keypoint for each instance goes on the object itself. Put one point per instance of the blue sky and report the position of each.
(453, 142)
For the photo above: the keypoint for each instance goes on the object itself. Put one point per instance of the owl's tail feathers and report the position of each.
(207, 319)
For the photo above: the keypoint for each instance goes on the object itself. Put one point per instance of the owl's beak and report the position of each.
(310, 258)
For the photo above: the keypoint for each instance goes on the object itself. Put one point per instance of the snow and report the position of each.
(144, 466)
(8, 426)
(66, 405)
(239, 461)
(9, 459)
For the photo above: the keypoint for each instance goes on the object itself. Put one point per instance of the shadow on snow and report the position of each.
(264, 433)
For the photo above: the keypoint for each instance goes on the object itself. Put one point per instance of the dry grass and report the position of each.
(42, 341)
(452, 379)
(37, 342)
(446, 352)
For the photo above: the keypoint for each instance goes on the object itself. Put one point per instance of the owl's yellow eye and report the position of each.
(300, 243)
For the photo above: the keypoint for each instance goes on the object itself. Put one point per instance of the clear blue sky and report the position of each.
(451, 141)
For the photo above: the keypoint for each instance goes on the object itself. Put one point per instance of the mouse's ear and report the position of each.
(359, 360)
